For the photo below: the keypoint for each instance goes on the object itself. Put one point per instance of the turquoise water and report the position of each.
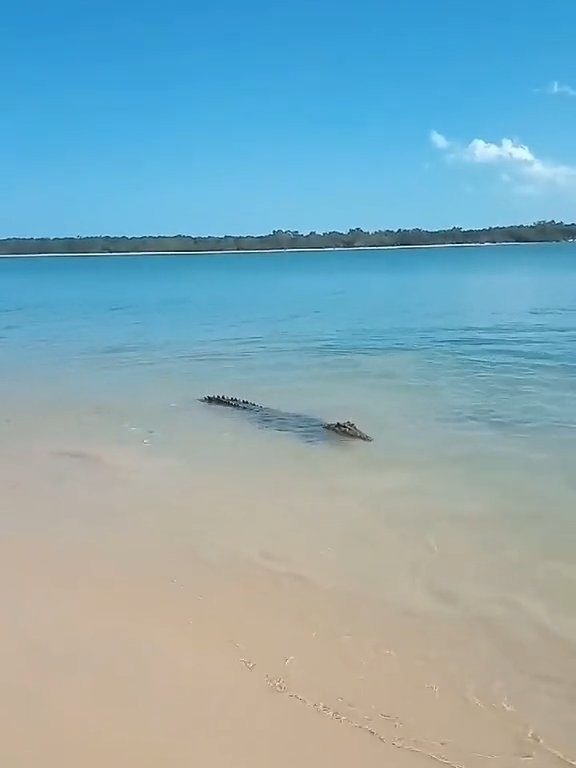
(462, 349)
(460, 362)
(462, 357)
(485, 336)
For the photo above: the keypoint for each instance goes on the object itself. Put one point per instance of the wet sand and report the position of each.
(112, 662)
(134, 633)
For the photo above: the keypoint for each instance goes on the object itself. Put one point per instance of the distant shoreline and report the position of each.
(236, 251)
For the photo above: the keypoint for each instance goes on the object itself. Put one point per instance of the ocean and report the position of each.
(459, 362)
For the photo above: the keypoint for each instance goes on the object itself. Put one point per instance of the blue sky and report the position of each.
(135, 117)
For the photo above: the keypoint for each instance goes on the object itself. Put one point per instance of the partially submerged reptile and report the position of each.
(306, 426)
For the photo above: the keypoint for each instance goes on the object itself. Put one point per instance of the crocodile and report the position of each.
(309, 428)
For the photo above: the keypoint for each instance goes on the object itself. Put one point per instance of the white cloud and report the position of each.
(517, 162)
(439, 141)
(480, 151)
(555, 88)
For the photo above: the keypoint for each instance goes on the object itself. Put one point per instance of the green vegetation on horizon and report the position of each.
(540, 231)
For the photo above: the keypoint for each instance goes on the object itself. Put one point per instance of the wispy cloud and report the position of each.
(439, 141)
(516, 162)
(557, 89)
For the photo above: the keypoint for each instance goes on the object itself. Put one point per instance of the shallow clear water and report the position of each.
(461, 362)
(474, 339)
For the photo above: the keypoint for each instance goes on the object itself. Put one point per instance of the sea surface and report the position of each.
(460, 362)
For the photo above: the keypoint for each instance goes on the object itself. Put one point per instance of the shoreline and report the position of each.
(273, 250)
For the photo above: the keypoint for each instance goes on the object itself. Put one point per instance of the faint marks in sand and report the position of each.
(98, 460)
(473, 699)
(146, 435)
(89, 461)
(84, 456)
(279, 685)
(505, 704)
(432, 545)
(426, 748)
(534, 737)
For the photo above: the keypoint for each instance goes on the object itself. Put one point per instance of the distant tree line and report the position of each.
(279, 239)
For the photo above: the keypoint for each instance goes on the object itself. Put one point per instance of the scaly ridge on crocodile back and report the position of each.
(230, 402)
(307, 427)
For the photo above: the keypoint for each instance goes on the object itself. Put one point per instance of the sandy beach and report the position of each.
(269, 250)
(116, 663)
(132, 641)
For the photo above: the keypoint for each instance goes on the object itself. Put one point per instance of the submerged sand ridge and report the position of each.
(156, 615)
